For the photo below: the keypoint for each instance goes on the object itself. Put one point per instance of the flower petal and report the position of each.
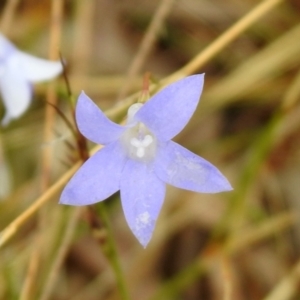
(94, 124)
(16, 94)
(181, 168)
(142, 195)
(37, 69)
(6, 47)
(97, 179)
(167, 112)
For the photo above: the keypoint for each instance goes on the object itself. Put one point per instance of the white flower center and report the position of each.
(138, 141)
(141, 144)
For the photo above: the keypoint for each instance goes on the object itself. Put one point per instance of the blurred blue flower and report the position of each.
(17, 71)
(139, 158)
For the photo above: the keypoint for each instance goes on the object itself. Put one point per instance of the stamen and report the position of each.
(140, 152)
(148, 139)
(135, 142)
(140, 145)
(138, 140)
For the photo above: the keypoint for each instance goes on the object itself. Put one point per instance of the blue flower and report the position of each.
(17, 71)
(139, 158)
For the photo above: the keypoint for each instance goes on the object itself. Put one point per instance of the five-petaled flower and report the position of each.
(17, 71)
(139, 158)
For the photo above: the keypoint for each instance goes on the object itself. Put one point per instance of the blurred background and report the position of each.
(239, 245)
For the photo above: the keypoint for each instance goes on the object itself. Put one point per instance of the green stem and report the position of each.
(110, 250)
(257, 157)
